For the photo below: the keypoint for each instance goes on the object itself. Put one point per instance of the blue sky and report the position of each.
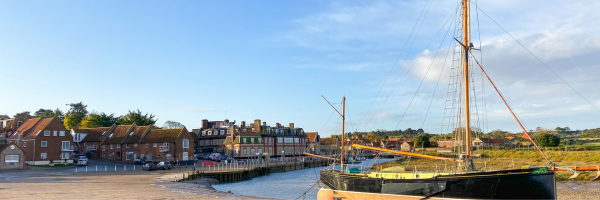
(271, 60)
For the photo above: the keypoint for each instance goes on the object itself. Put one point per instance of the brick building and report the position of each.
(44, 140)
(167, 145)
(112, 140)
(87, 140)
(275, 140)
(8, 126)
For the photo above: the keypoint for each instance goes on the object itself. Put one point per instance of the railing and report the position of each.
(163, 148)
(71, 148)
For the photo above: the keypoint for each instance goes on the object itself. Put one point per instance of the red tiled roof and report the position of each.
(25, 128)
(138, 132)
(40, 127)
(93, 134)
(492, 141)
(118, 134)
(162, 135)
(312, 136)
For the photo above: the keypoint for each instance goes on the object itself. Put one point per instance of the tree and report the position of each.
(422, 140)
(59, 113)
(547, 140)
(98, 120)
(173, 125)
(371, 136)
(24, 114)
(75, 115)
(138, 118)
(43, 113)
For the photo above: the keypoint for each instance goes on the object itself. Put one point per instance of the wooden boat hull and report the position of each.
(508, 184)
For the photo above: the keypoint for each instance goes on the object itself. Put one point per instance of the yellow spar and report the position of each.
(405, 153)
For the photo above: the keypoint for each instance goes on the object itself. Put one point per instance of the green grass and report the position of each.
(55, 165)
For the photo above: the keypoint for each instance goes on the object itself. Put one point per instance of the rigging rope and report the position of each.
(395, 62)
(428, 69)
(409, 50)
(537, 58)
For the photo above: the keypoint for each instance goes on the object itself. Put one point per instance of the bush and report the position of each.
(422, 140)
(548, 140)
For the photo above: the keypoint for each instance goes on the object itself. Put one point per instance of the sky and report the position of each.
(272, 60)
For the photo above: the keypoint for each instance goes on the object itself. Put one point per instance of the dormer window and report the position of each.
(110, 135)
(130, 134)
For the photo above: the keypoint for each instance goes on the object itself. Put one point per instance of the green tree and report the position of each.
(98, 120)
(371, 136)
(44, 113)
(75, 115)
(422, 140)
(59, 113)
(547, 140)
(173, 125)
(24, 114)
(138, 118)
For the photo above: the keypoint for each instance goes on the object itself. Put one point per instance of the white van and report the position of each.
(212, 155)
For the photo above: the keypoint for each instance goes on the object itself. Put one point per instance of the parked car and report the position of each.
(214, 156)
(226, 158)
(205, 157)
(138, 162)
(77, 157)
(164, 165)
(149, 167)
(82, 162)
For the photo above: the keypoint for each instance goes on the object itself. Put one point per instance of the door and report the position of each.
(185, 156)
(134, 157)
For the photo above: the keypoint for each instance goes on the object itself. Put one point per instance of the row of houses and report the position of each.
(246, 140)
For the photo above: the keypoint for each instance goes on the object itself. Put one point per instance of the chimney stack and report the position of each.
(205, 123)
(226, 121)
(264, 123)
(257, 125)
(291, 125)
(277, 125)
(243, 123)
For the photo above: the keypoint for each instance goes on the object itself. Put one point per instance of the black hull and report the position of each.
(509, 184)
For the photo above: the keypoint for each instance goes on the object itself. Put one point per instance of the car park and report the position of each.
(149, 167)
(164, 165)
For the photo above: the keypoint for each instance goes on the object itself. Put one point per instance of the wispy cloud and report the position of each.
(197, 110)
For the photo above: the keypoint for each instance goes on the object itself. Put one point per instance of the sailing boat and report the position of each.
(466, 183)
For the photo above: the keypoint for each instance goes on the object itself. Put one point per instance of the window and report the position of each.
(118, 145)
(65, 155)
(66, 145)
(84, 143)
(252, 151)
(46, 133)
(43, 155)
(279, 140)
(103, 154)
(259, 140)
(44, 144)
(135, 145)
(244, 151)
(24, 144)
(61, 133)
(222, 132)
(103, 146)
(154, 145)
(111, 146)
(54, 133)
(209, 132)
(11, 158)
(127, 157)
(203, 133)
(186, 143)
(126, 145)
(147, 145)
(201, 142)
(159, 155)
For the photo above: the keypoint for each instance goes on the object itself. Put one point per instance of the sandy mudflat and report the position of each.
(574, 190)
(107, 185)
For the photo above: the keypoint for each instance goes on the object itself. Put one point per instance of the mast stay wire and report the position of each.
(430, 65)
(440, 77)
(411, 67)
(537, 58)
(485, 117)
(395, 62)
(409, 50)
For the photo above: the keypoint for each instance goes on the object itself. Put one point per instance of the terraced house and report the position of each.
(248, 140)
(87, 140)
(45, 140)
(131, 142)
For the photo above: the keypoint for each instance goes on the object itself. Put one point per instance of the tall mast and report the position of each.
(465, 65)
(343, 125)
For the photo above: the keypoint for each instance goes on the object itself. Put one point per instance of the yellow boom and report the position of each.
(405, 153)
(313, 155)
